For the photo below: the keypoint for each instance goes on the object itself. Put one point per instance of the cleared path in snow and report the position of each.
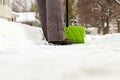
(97, 59)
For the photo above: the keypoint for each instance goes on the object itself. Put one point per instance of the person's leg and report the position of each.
(42, 13)
(55, 28)
(63, 10)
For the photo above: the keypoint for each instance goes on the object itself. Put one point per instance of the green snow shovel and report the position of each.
(75, 33)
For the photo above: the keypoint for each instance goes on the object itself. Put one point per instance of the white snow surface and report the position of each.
(26, 17)
(14, 35)
(23, 56)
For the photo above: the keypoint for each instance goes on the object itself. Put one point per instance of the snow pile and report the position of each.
(108, 37)
(19, 35)
(26, 17)
(115, 36)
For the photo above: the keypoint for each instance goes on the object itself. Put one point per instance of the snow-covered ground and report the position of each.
(25, 55)
(26, 17)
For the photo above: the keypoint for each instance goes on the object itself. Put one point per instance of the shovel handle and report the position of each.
(67, 17)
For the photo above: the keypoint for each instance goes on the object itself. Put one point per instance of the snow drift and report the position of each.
(19, 35)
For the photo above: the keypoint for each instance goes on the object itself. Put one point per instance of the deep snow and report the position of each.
(25, 55)
(19, 35)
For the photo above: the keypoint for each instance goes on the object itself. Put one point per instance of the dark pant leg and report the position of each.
(42, 13)
(55, 29)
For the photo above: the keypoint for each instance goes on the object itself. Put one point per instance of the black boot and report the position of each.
(64, 42)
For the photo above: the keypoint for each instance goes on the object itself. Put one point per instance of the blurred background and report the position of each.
(98, 16)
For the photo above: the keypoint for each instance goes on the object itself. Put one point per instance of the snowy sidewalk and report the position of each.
(29, 59)
(75, 62)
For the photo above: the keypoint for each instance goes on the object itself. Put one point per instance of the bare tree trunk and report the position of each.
(103, 27)
(99, 30)
(118, 26)
(104, 30)
(107, 27)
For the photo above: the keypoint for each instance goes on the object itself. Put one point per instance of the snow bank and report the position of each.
(26, 17)
(115, 36)
(19, 35)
